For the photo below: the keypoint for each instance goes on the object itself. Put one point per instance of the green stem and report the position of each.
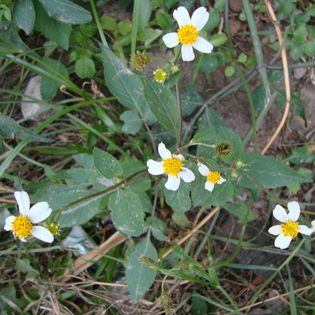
(98, 24)
(135, 25)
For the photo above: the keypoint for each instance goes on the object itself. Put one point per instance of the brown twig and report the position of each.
(286, 76)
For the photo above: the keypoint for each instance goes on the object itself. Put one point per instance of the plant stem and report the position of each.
(135, 25)
(98, 24)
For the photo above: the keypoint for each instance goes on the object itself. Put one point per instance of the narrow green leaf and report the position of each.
(24, 15)
(106, 164)
(127, 212)
(66, 11)
(140, 277)
(162, 103)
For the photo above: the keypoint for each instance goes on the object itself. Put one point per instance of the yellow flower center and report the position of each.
(187, 34)
(172, 166)
(160, 75)
(22, 226)
(213, 177)
(290, 228)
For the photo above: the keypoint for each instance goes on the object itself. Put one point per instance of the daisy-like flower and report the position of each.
(188, 33)
(160, 75)
(313, 225)
(173, 166)
(212, 177)
(289, 229)
(23, 226)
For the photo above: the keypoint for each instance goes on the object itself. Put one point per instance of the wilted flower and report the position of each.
(188, 33)
(212, 177)
(289, 230)
(173, 166)
(23, 226)
(223, 149)
(140, 60)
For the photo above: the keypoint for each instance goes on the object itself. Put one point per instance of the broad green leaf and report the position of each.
(218, 39)
(84, 67)
(162, 103)
(106, 164)
(125, 85)
(66, 11)
(54, 30)
(132, 122)
(24, 15)
(49, 87)
(145, 13)
(9, 128)
(179, 200)
(269, 172)
(241, 211)
(140, 277)
(127, 212)
(60, 196)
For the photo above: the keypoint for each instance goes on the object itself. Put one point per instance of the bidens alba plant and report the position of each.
(212, 177)
(289, 229)
(173, 166)
(23, 226)
(188, 33)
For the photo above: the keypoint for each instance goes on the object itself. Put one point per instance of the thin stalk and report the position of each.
(98, 24)
(135, 25)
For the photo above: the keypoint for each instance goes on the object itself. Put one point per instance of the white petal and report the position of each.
(203, 45)
(39, 212)
(200, 18)
(187, 53)
(164, 153)
(294, 211)
(313, 225)
(221, 180)
(155, 168)
(280, 214)
(303, 229)
(209, 186)
(203, 169)
(187, 175)
(179, 156)
(275, 230)
(170, 40)
(8, 223)
(23, 200)
(42, 234)
(181, 15)
(172, 182)
(282, 241)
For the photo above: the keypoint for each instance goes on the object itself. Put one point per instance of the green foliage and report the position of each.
(24, 15)
(139, 276)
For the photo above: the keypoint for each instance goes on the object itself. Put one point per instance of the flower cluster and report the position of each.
(173, 166)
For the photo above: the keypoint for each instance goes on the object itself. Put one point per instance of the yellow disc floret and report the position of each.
(22, 226)
(213, 177)
(187, 34)
(290, 228)
(160, 75)
(172, 166)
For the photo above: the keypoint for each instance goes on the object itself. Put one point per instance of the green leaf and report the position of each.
(66, 11)
(218, 39)
(125, 85)
(269, 172)
(24, 15)
(55, 31)
(229, 71)
(144, 16)
(49, 87)
(127, 212)
(10, 128)
(106, 164)
(108, 23)
(24, 266)
(84, 67)
(162, 103)
(132, 122)
(179, 200)
(60, 196)
(140, 277)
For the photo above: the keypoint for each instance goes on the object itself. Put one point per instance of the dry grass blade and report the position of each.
(96, 254)
(286, 76)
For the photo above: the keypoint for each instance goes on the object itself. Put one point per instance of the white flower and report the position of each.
(289, 230)
(22, 226)
(188, 33)
(313, 225)
(173, 166)
(212, 177)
